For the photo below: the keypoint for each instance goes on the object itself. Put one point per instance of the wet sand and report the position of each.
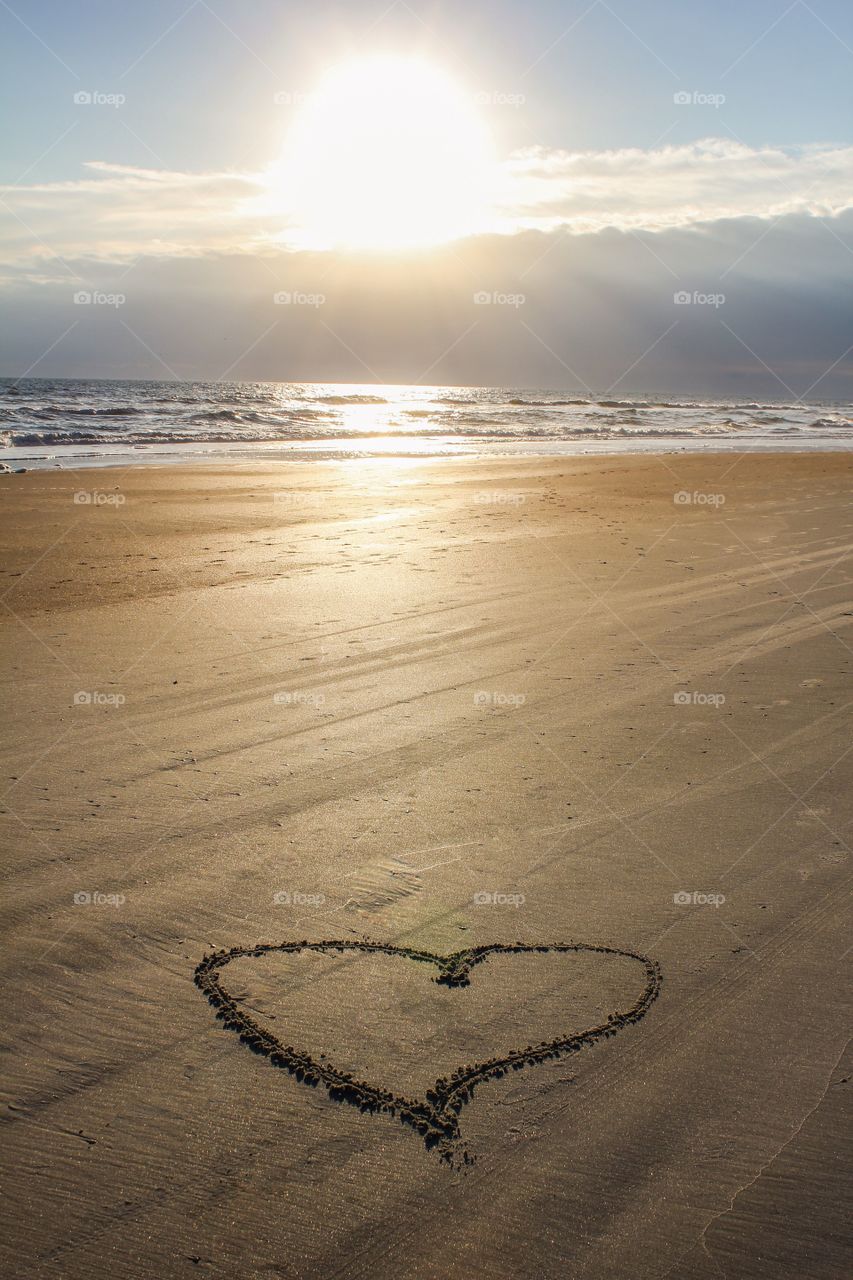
(475, 713)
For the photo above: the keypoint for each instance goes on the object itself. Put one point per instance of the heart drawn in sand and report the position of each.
(436, 1115)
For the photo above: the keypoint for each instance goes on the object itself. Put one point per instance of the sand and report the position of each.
(438, 706)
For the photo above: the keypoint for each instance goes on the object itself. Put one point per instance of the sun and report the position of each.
(389, 153)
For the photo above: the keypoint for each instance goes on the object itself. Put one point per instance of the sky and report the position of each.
(670, 194)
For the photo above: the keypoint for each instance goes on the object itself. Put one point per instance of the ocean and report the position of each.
(77, 422)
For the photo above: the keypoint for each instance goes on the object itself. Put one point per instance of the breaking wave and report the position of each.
(42, 418)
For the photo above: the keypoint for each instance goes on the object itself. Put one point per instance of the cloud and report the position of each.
(673, 186)
(598, 310)
(597, 243)
(116, 213)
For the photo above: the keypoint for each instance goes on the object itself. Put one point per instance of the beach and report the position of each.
(437, 705)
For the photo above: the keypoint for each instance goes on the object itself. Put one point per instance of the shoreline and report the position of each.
(278, 452)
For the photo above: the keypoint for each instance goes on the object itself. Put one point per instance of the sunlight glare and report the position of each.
(388, 154)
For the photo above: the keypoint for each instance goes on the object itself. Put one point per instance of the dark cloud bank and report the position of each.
(592, 306)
